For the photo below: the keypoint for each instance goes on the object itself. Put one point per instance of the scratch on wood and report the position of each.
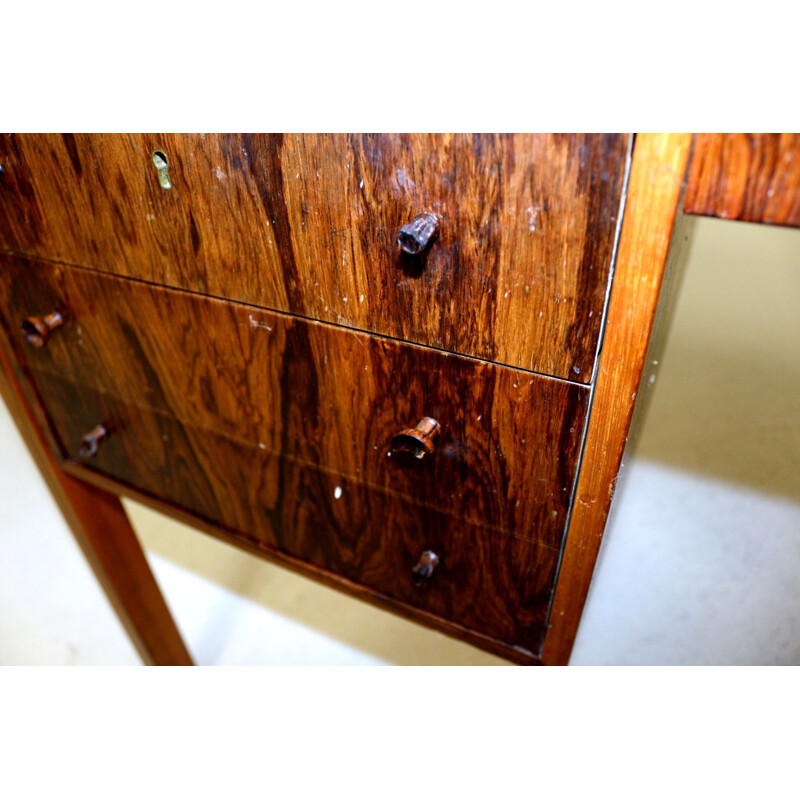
(256, 324)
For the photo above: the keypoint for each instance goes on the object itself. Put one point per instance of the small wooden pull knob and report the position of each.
(426, 566)
(37, 330)
(91, 441)
(419, 440)
(418, 234)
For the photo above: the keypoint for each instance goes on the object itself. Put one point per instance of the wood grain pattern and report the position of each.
(506, 455)
(251, 546)
(102, 530)
(657, 174)
(308, 224)
(747, 176)
(492, 583)
(96, 200)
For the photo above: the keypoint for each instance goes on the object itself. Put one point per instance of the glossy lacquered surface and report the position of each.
(517, 272)
(504, 455)
(102, 531)
(489, 582)
(367, 357)
(748, 176)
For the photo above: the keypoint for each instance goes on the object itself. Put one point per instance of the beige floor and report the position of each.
(701, 563)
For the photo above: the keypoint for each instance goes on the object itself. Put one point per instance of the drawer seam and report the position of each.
(292, 315)
(294, 459)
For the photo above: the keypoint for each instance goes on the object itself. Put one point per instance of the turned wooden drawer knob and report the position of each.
(426, 566)
(418, 234)
(37, 330)
(419, 440)
(91, 441)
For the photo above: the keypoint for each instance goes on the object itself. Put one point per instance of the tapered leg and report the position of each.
(104, 533)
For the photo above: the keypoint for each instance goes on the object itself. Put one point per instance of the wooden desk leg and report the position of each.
(102, 528)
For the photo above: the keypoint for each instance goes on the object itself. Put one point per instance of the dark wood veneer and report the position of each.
(505, 456)
(493, 583)
(269, 427)
(747, 176)
(101, 529)
(309, 224)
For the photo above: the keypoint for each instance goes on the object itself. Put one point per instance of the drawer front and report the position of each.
(96, 200)
(508, 445)
(309, 223)
(488, 582)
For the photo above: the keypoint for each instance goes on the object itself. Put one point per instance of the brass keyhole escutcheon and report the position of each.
(161, 163)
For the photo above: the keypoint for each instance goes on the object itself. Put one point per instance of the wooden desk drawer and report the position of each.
(506, 455)
(489, 582)
(308, 224)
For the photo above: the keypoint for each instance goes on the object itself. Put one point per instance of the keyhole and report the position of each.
(162, 165)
